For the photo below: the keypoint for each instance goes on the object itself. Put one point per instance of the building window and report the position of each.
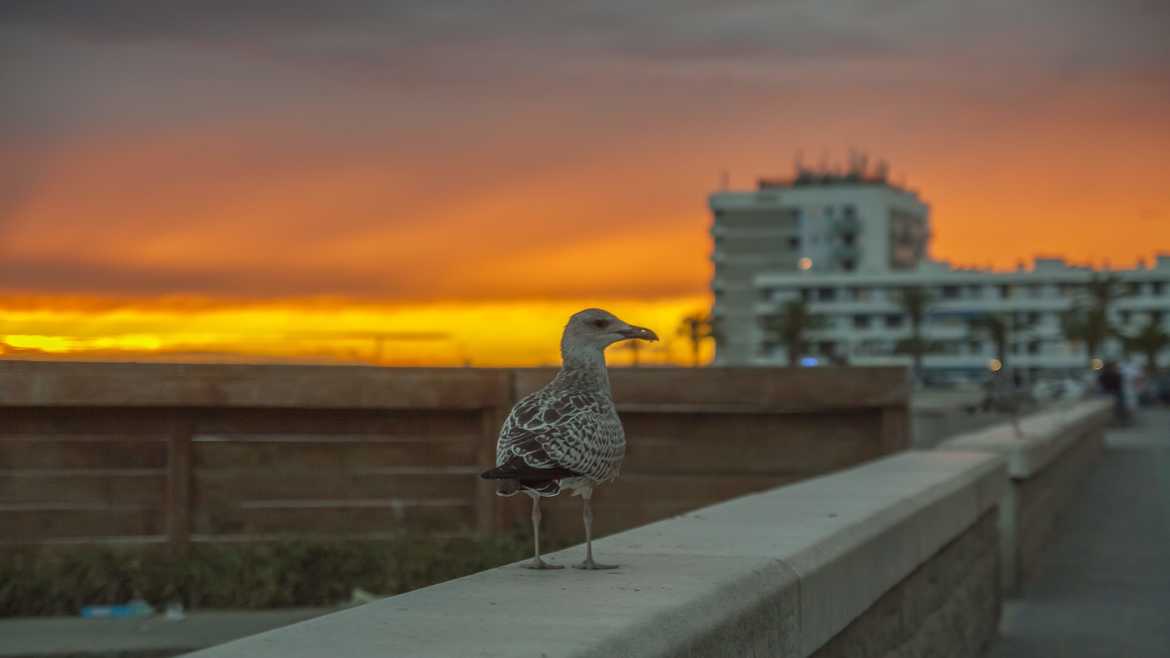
(861, 322)
(1125, 317)
(848, 265)
(1005, 291)
(864, 294)
(1034, 347)
(975, 347)
(794, 243)
(826, 294)
(805, 294)
(950, 292)
(1157, 287)
(975, 292)
(893, 321)
(848, 239)
(850, 211)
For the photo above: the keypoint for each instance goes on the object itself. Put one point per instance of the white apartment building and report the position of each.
(846, 243)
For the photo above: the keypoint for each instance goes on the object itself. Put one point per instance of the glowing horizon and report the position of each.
(482, 334)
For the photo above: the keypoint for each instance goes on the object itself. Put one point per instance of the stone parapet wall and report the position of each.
(1047, 464)
(814, 568)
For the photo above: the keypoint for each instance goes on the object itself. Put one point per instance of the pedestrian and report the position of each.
(1111, 383)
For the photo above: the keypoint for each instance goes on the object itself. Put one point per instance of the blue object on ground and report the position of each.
(136, 608)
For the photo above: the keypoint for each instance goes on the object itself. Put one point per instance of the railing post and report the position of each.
(178, 499)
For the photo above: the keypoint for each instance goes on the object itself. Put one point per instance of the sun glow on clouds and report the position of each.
(451, 334)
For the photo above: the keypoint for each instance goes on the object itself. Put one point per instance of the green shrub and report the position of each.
(56, 580)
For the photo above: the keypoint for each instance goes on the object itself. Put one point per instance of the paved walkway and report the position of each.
(1102, 588)
(154, 637)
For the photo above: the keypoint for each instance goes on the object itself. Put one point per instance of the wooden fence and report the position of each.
(182, 453)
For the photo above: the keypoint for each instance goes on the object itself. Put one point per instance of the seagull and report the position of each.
(567, 436)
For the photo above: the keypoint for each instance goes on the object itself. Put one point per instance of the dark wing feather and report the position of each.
(560, 429)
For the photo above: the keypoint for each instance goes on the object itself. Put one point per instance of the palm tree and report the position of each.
(1089, 326)
(1150, 341)
(915, 303)
(1104, 289)
(996, 327)
(789, 328)
(1089, 323)
(999, 328)
(697, 328)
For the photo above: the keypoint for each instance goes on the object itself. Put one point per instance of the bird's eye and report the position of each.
(601, 324)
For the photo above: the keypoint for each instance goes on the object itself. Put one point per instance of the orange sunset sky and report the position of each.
(436, 183)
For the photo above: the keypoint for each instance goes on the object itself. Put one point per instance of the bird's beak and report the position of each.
(638, 332)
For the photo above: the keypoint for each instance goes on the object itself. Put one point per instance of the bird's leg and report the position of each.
(589, 563)
(538, 563)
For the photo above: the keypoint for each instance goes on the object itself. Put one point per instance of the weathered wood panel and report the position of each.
(243, 484)
(213, 451)
(55, 384)
(39, 522)
(726, 444)
(371, 424)
(54, 452)
(325, 517)
(88, 487)
(730, 389)
(249, 452)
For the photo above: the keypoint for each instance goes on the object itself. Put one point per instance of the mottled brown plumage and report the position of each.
(567, 435)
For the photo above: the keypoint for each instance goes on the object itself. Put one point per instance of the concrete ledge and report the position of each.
(1046, 465)
(1046, 435)
(778, 574)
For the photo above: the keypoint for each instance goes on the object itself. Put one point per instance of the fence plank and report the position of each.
(38, 523)
(84, 487)
(310, 453)
(372, 516)
(178, 505)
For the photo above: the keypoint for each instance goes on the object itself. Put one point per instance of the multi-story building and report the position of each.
(848, 244)
(856, 224)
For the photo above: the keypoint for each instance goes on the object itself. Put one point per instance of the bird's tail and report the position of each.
(504, 472)
(516, 476)
(516, 469)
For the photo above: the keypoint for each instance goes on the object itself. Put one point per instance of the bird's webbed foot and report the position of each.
(540, 565)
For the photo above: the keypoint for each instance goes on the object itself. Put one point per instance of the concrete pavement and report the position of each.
(1102, 586)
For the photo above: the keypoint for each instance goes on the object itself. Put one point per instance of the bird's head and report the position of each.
(595, 329)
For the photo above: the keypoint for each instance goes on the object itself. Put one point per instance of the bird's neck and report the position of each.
(583, 366)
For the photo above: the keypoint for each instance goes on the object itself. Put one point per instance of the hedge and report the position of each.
(59, 580)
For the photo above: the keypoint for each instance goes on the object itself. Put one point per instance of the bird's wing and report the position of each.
(553, 429)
